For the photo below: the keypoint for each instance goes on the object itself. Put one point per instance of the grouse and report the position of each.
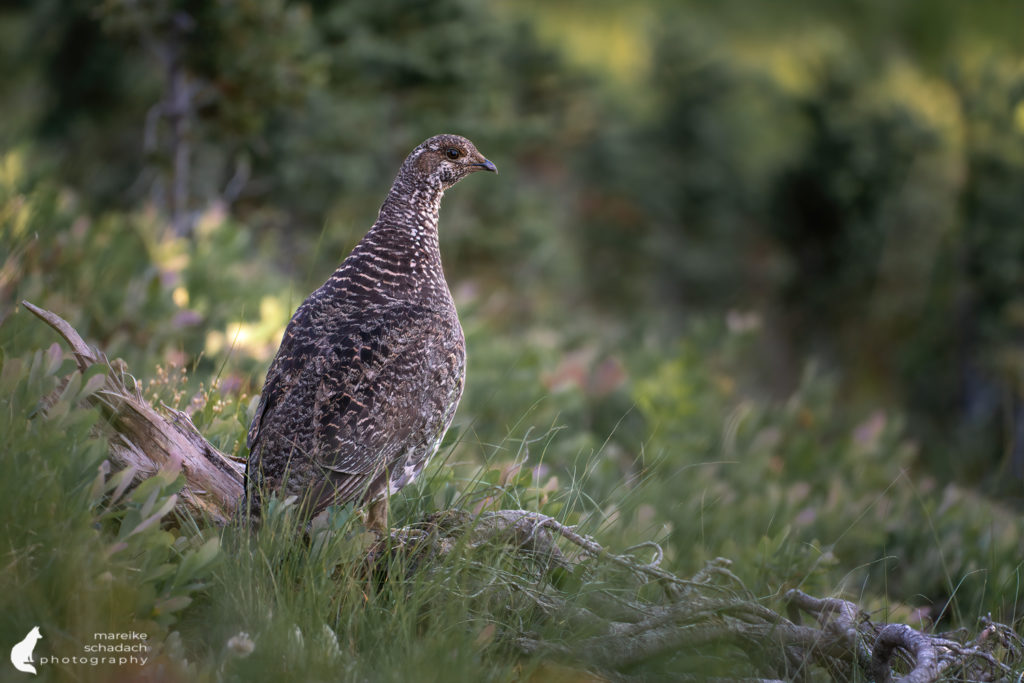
(372, 365)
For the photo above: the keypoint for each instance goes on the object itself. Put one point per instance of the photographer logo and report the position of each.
(21, 654)
(120, 648)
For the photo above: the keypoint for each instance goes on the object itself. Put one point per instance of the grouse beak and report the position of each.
(487, 166)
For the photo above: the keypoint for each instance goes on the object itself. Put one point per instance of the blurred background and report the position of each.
(776, 254)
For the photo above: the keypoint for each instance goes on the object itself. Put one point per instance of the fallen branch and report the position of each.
(608, 630)
(148, 441)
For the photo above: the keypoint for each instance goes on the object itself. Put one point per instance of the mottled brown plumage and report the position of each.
(372, 364)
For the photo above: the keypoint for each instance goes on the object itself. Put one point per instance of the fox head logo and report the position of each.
(21, 654)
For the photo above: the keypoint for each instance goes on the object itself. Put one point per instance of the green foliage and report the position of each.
(131, 288)
(857, 203)
(677, 229)
(794, 493)
(82, 553)
(802, 493)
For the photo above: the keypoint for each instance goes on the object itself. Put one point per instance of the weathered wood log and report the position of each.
(712, 608)
(144, 439)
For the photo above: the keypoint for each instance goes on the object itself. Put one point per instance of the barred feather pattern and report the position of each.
(372, 365)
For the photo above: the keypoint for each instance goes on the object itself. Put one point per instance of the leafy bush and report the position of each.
(133, 289)
(803, 493)
(83, 554)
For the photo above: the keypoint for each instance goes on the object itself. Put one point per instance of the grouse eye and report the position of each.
(453, 153)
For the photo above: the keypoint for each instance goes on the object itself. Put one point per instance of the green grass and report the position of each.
(802, 492)
(83, 555)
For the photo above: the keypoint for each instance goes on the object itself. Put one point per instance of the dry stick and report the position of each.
(592, 548)
(85, 355)
(932, 654)
(926, 667)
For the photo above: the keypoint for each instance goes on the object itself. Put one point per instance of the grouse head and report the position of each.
(443, 160)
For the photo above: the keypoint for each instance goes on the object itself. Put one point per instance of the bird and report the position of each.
(372, 365)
